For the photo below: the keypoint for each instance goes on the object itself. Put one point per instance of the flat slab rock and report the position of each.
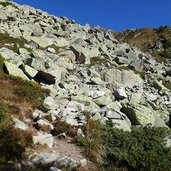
(46, 139)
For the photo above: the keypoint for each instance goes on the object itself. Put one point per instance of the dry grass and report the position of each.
(92, 141)
(6, 40)
(17, 98)
(145, 38)
(8, 96)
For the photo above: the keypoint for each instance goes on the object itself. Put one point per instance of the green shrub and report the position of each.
(6, 111)
(6, 39)
(92, 141)
(31, 91)
(5, 4)
(139, 150)
(98, 60)
(167, 47)
(163, 29)
(12, 142)
(166, 43)
(166, 53)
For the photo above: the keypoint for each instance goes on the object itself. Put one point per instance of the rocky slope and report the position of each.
(87, 70)
(151, 40)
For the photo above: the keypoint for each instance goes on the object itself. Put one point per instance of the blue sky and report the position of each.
(112, 14)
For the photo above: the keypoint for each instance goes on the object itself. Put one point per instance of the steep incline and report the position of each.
(86, 70)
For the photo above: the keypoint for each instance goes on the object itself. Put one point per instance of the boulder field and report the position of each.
(87, 70)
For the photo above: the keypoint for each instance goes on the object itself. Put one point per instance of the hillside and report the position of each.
(78, 98)
(155, 41)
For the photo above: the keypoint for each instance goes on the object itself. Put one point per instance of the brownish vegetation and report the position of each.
(11, 42)
(17, 98)
(145, 39)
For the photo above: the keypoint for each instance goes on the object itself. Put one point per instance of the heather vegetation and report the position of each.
(5, 4)
(17, 99)
(150, 38)
(13, 141)
(107, 107)
(142, 149)
(167, 47)
(12, 43)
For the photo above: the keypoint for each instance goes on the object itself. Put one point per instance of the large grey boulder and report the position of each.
(7, 53)
(68, 56)
(37, 30)
(3, 17)
(137, 65)
(111, 114)
(79, 53)
(42, 41)
(12, 69)
(123, 124)
(53, 159)
(29, 71)
(103, 100)
(45, 158)
(61, 42)
(84, 54)
(142, 115)
(126, 78)
(49, 103)
(136, 98)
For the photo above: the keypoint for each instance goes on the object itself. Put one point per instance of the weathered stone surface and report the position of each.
(29, 71)
(87, 71)
(37, 30)
(7, 53)
(44, 123)
(112, 115)
(141, 115)
(46, 139)
(137, 65)
(125, 77)
(120, 93)
(68, 56)
(136, 98)
(19, 124)
(122, 124)
(104, 100)
(49, 103)
(167, 141)
(12, 69)
(41, 41)
(3, 17)
(45, 159)
(79, 53)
